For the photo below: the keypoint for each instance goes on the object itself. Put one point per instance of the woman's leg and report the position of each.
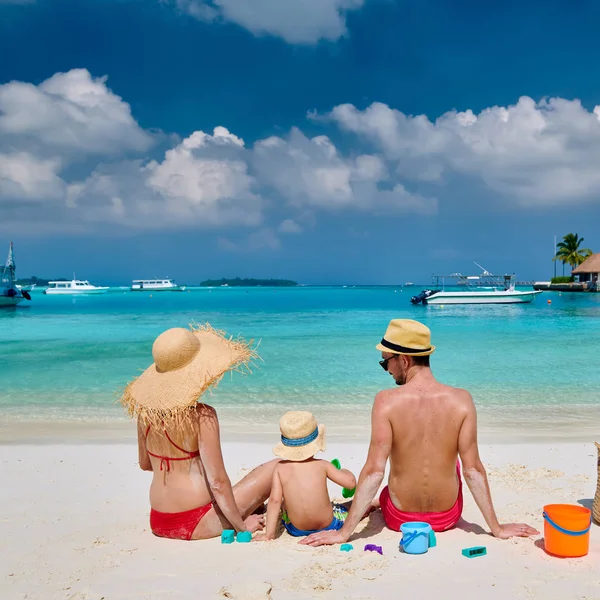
(249, 494)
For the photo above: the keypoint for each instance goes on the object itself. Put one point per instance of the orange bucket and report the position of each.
(567, 530)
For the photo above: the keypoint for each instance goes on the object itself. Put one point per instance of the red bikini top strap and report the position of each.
(147, 431)
(190, 454)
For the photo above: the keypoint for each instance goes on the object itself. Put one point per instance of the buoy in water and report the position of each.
(549, 301)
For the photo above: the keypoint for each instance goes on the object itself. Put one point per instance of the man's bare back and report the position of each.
(426, 417)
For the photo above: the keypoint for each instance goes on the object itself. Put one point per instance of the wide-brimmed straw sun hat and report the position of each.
(301, 436)
(187, 362)
(408, 337)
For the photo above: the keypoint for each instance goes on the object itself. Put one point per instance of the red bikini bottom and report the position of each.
(177, 526)
(439, 521)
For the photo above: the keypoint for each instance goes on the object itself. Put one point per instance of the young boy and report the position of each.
(301, 480)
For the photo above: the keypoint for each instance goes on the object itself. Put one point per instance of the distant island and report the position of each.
(238, 282)
(37, 281)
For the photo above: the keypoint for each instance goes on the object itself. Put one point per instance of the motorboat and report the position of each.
(75, 286)
(156, 285)
(10, 293)
(475, 289)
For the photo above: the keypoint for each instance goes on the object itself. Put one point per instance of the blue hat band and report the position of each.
(293, 442)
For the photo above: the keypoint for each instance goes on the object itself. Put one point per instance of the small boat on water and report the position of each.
(476, 289)
(75, 286)
(10, 294)
(156, 285)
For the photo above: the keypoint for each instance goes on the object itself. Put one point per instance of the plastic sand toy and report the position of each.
(345, 492)
(244, 537)
(346, 547)
(227, 536)
(474, 551)
(374, 548)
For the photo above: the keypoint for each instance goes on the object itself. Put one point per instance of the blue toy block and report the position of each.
(227, 536)
(244, 537)
(346, 547)
(474, 552)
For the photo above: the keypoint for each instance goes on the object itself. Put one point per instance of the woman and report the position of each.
(191, 496)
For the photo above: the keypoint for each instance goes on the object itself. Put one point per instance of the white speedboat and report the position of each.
(475, 289)
(10, 293)
(75, 286)
(156, 285)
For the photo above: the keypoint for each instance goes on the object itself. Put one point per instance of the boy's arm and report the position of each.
(342, 477)
(273, 509)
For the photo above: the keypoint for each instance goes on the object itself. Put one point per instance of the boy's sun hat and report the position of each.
(301, 436)
(187, 362)
(408, 337)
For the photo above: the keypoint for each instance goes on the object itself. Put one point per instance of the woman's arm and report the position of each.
(143, 455)
(273, 509)
(209, 444)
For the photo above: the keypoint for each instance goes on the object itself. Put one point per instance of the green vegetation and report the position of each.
(37, 281)
(563, 279)
(569, 253)
(238, 282)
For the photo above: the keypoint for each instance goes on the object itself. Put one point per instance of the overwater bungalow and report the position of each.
(588, 272)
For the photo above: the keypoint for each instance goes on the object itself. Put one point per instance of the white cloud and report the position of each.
(81, 160)
(541, 153)
(24, 176)
(289, 226)
(202, 182)
(296, 21)
(68, 113)
(312, 172)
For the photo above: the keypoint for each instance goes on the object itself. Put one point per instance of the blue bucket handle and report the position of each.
(411, 537)
(562, 529)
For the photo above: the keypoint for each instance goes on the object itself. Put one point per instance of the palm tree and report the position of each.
(569, 252)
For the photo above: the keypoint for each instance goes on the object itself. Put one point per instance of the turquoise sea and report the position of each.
(65, 358)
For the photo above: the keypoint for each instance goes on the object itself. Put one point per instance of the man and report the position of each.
(422, 427)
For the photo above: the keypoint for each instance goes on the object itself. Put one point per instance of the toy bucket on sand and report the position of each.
(567, 530)
(416, 537)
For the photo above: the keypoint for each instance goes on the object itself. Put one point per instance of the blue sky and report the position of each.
(328, 141)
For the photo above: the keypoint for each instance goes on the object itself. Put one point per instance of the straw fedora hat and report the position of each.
(408, 337)
(301, 436)
(187, 362)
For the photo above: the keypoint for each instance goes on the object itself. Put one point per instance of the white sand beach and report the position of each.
(75, 525)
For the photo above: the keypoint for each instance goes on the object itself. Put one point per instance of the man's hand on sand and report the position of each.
(515, 530)
(324, 538)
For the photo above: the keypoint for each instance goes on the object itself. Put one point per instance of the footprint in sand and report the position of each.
(248, 590)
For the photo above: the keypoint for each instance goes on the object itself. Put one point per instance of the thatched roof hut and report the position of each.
(589, 265)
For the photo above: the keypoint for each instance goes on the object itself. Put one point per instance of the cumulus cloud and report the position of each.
(68, 113)
(296, 21)
(72, 157)
(540, 153)
(312, 172)
(289, 226)
(26, 177)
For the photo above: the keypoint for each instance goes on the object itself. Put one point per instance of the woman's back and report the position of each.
(179, 481)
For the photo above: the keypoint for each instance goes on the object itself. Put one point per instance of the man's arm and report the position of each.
(476, 477)
(370, 477)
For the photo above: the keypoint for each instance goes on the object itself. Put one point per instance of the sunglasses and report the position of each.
(384, 362)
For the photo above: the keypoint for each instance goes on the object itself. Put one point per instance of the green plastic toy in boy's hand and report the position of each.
(345, 492)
